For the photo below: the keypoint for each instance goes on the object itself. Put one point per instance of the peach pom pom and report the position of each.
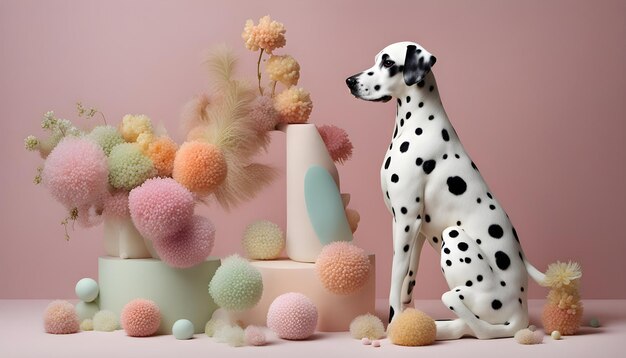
(60, 318)
(567, 322)
(160, 208)
(412, 328)
(342, 267)
(337, 142)
(190, 246)
(162, 152)
(284, 69)
(141, 318)
(527, 336)
(294, 105)
(255, 336)
(134, 125)
(200, 167)
(267, 35)
(116, 205)
(354, 218)
(76, 172)
(292, 316)
(263, 113)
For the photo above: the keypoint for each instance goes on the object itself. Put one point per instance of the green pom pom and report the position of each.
(236, 285)
(128, 167)
(107, 137)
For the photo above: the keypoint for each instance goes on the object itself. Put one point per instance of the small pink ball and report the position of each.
(342, 267)
(190, 246)
(141, 318)
(255, 336)
(76, 172)
(292, 316)
(160, 208)
(60, 318)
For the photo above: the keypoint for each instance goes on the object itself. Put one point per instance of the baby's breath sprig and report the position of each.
(89, 112)
(72, 217)
(37, 179)
(31, 143)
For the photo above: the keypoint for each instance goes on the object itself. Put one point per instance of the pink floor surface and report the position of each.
(22, 335)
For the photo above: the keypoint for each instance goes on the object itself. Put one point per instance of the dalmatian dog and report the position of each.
(437, 195)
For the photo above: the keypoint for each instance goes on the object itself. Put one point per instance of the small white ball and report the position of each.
(556, 335)
(87, 289)
(183, 329)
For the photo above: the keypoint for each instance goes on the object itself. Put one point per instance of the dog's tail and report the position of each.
(534, 273)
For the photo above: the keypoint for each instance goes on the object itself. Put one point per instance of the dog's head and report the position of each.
(397, 66)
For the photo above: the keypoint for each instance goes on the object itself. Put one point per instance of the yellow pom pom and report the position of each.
(134, 125)
(412, 328)
(263, 240)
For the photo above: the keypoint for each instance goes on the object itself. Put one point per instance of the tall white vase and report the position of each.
(305, 148)
(121, 239)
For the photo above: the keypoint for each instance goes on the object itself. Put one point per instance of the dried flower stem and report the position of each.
(73, 216)
(274, 88)
(258, 71)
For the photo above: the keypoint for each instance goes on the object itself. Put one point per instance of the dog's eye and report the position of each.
(388, 63)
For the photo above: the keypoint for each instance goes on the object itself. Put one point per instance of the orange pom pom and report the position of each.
(200, 167)
(412, 328)
(162, 152)
(566, 321)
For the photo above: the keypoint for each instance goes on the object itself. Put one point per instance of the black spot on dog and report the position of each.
(427, 218)
(474, 166)
(478, 200)
(479, 278)
(401, 122)
(461, 297)
(431, 117)
(420, 84)
(520, 256)
(469, 283)
(431, 88)
(407, 228)
(370, 73)
(492, 207)
(406, 247)
(458, 223)
(390, 313)
(502, 283)
(522, 289)
(461, 260)
(445, 156)
(457, 156)
(489, 195)
(395, 178)
(408, 115)
(462, 246)
(429, 166)
(387, 193)
(408, 99)
(387, 162)
(520, 300)
(457, 290)
(468, 260)
(453, 233)
(410, 273)
(377, 87)
(393, 70)
(404, 147)
(419, 217)
(502, 260)
(478, 241)
(417, 200)
(418, 131)
(403, 210)
(515, 235)
(495, 231)
(448, 262)
(445, 135)
(456, 185)
(451, 308)
(496, 304)
(395, 133)
(399, 102)
(418, 161)
(446, 251)
(480, 257)
(420, 105)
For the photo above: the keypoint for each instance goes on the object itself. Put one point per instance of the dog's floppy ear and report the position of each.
(417, 64)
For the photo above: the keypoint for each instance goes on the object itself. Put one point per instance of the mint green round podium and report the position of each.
(179, 293)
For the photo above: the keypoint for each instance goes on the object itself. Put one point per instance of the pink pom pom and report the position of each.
(190, 246)
(255, 336)
(342, 267)
(292, 316)
(337, 142)
(76, 172)
(141, 318)
(116, 205)
(160, 208)
(60, 318)
(263, 113)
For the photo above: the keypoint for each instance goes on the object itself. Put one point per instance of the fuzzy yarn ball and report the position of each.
(294, 105)
(342, 267)
(76, 172)
(236, 285)
(268, 35)
(337, 142)
(354, 218)
(105, 321)
(213, 325)
(412, 328)
(254, 336)
(233, 335)
(140, 318)
(284, 69)
(86, 325)
(107, 137)
(134, 125)
(292, 316)
(116, 205)
(129, 167)
(200, 167)
(160, 208)
(527, 336)
(367, 326)
(60, 318)
(162, 152)
(566, 321)
(263, 113)
(263, 240)
(190, 246)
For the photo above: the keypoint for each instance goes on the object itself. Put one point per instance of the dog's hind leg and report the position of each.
(409, 280)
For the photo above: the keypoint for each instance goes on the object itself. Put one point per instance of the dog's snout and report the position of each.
(351, 81)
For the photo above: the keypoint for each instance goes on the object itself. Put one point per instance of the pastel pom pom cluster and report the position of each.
(129, 167)
(294, 105)
(337, 142)
(412, 328)
(563, 309)
(527, 336)
(60, 318)
(367, 326)
(190, 246)
(232, 335)
(292, 316)
(200, 167)
(140, 318)
(160, 208)
(268, 35)
(162, 152)
(105, 321)
(342, 267)
(263, 240)
(107, 137)
(76, 172)
(134, 125)
(284, 69)
(236, 285)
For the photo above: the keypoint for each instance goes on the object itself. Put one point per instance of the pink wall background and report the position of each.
(535, 89)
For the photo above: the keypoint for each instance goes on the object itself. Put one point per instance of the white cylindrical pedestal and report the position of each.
(179, 293)
(121, 239)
